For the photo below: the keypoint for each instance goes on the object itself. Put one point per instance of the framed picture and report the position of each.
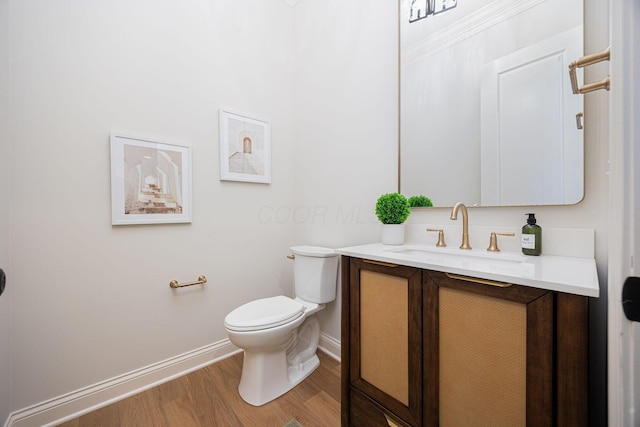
(245, 148)
(150, 181)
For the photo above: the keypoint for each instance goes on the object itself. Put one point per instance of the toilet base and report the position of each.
(298, 373)
(266, 376)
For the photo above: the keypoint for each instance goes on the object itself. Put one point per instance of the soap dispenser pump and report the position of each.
(531, 237)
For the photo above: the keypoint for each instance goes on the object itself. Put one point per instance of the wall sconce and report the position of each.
(420, 9)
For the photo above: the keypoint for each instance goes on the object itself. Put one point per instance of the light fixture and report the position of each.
(421, 9)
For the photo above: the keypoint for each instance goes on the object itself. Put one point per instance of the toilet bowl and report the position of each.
(279, 335)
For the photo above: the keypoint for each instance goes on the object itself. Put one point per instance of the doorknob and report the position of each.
(631, 298)
(3, 281)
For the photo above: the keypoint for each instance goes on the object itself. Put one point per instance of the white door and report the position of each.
(528, 120)
(624, 235)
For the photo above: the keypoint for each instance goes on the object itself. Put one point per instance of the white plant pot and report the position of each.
(392, 234)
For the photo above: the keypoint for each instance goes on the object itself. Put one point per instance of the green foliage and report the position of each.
(392, 208)
(419, 201)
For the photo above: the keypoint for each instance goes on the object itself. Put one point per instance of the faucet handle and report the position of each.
(493, 240)
(440, 237)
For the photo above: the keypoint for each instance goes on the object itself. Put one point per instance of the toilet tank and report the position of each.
(315, 273)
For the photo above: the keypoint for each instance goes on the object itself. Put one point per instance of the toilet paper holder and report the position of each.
(175, 285)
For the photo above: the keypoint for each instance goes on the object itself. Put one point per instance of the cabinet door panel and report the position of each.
(386, 336)
(483, 354)
(488, 353)
(384, 333)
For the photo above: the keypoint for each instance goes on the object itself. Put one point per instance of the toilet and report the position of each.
(279, 335)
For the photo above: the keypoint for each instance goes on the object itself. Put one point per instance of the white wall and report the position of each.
(5, 197)
(91, 300)
(346, 123)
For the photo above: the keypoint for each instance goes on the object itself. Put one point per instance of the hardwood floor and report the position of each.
(209, 397)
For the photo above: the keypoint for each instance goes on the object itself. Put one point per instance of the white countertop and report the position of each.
(556, 273)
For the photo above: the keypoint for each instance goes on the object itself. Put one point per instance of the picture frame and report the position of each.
(245, 148)
(150, 181)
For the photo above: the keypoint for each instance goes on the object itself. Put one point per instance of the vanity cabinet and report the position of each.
(427, 348)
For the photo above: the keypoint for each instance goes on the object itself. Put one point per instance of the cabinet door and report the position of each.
(386, 336)
(488, 353)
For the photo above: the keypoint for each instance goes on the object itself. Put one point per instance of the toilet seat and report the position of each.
(264, 313)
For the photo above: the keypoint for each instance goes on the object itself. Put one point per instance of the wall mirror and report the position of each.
(487, 116)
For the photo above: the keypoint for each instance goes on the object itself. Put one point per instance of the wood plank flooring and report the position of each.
(209, 397)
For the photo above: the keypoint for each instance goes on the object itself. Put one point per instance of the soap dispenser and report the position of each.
(531, 237)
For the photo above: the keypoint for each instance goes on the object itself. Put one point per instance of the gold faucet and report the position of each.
(465, 223)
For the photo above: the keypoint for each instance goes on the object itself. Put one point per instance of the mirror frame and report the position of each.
(400, 139)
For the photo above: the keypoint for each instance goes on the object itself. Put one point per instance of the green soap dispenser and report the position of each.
(531, 237)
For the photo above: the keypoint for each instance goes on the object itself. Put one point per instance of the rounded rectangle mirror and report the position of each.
(487, 115)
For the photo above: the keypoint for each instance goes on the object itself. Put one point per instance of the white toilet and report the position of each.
(280, 335)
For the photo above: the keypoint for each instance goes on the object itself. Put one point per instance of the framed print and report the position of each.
(245, 148)
(150, 181)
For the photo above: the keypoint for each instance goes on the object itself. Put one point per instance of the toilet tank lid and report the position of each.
(315, 251)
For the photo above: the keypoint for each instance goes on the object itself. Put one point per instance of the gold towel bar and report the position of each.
(604, 84)
(201, 280)
(605, 55)
(477, 280)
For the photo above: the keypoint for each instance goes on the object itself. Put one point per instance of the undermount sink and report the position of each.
(475, 259)
(417, 250)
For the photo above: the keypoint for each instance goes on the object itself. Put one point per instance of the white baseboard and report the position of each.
(330, 346)
(79, 402)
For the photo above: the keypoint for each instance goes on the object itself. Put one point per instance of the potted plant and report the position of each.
(420, 201)
(392, 209)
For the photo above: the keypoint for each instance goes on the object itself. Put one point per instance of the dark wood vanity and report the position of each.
(427, 348)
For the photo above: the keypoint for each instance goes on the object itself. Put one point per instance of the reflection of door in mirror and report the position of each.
(441, 123)
(531, 148)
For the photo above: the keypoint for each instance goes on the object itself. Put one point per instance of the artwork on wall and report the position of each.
(245, 148)
(150, 181)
